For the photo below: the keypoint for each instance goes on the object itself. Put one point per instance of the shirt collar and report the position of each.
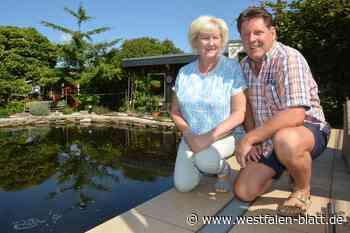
(269, 55)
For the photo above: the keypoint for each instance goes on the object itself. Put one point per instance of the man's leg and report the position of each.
(293, 147)
(252, 181)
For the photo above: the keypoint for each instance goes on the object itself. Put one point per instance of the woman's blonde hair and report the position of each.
(207, 23)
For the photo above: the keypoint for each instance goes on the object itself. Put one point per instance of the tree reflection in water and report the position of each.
(82, 160)
(23, 163)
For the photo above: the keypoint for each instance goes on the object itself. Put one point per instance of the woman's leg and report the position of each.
(212, 159)
(186, 175)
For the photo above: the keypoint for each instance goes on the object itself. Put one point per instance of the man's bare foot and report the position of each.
(296, 204)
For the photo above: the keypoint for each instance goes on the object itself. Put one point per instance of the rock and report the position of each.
(85, 120)
(21, 115)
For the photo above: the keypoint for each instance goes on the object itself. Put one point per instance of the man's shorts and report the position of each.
(321, 140)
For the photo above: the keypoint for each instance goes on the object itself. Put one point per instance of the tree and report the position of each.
(145, 46)
(25, 56)
(319, 29)
(80, 54)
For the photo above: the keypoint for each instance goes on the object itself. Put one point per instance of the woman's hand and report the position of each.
(198, 143)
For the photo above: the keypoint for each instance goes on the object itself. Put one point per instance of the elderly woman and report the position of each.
(207, 107)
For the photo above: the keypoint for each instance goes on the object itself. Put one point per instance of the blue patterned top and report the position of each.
(205, 100)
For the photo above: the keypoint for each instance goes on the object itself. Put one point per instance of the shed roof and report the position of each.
(182, 58)
(169, 59)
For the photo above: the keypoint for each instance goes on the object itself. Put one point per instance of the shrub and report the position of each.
(15, 106)
(153, 104)
(61, 104)
(101, 110)
(11, 108)
(68, 110)
(3, 113)
(86, 100)
(125, 105)
(39, 108)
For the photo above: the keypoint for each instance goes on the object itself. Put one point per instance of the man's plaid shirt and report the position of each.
(284, 80)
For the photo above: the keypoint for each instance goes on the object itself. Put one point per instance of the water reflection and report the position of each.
(72, 168)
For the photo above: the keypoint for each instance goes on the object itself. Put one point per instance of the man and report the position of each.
(286, 127)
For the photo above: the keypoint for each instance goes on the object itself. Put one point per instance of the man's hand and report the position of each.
(255, 153)
(242, 151)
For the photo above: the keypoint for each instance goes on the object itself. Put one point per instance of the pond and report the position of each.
(72, 178)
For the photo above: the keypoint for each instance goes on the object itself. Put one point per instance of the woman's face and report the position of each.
(208, 44)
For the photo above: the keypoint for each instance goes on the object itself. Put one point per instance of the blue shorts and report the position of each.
(321, 141)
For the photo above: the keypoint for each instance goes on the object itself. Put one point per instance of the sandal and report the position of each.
(293, 210)
(223, 185)
(225, 182)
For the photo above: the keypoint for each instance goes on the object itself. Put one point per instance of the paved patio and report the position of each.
(168, 212)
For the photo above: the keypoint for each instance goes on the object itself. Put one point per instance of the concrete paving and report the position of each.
(169, 211)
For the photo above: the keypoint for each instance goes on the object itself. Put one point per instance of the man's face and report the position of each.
(257, 38)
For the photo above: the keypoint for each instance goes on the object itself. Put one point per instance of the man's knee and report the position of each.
(252, 181)
(286, 143)
(243, 192)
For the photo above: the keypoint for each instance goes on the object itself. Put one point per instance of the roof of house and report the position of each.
(182, 58)
(169, 59)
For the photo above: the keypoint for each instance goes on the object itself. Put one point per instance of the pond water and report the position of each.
(70, 179)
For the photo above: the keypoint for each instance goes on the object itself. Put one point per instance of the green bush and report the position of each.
(100, 110)
(153, 103)
(11, 108)
(125, 106)
(3, 113)
(86, 100)
(61, 104)
(39, 108)
(334, 113)
(68, 110)
(15, 106)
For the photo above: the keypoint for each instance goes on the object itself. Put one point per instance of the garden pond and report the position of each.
(72, 178)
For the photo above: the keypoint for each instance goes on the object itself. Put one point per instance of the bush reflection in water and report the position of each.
(70, 178)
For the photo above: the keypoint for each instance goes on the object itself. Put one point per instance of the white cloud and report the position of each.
(65, 37)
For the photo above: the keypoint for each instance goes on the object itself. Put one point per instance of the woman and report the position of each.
(208, 104)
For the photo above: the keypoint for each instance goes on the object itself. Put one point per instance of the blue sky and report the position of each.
(161, 19)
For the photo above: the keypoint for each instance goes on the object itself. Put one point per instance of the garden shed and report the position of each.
(155, 76)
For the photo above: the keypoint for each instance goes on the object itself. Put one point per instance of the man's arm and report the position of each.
(291, 117)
